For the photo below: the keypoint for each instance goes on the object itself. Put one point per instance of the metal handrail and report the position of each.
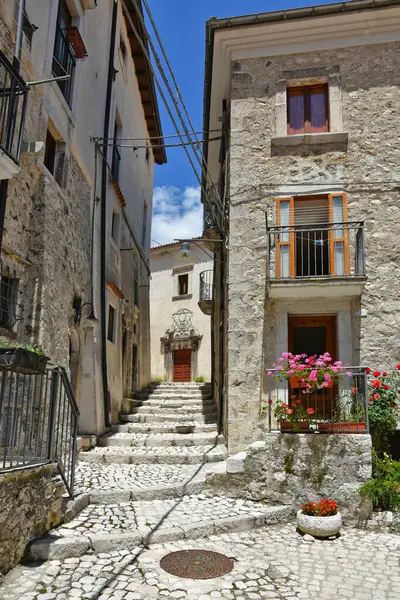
(38, 420)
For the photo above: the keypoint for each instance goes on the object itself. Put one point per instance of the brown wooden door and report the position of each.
(182, 360)
(315, 335)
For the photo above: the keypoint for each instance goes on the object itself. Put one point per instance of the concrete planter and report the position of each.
(319, 526)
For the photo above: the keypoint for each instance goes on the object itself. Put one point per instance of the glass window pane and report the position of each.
(285, 261)
(337, 210)
(284, 218)
(339, 258)
(296, 113)
(318, 111)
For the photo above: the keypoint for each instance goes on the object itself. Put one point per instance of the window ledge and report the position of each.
(310, 139)
(182, 297)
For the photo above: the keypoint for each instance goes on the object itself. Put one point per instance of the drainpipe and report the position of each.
(103, 217)
(16, 64)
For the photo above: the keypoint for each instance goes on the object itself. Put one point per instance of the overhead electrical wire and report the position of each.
(213, 205)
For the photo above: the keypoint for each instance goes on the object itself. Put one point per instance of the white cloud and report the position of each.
(176, 214)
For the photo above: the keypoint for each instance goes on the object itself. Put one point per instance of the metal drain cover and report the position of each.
(197, 564)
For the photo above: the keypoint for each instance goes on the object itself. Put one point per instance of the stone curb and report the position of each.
(75, 506)
(161, 441)
(51, 548)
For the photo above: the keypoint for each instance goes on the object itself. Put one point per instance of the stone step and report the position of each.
(181, 428)
(112, 484)
(101, 529)
(171, 403)
(175, 418)
(176, 385)
(136, 440)
(182, 410)
(173, 455)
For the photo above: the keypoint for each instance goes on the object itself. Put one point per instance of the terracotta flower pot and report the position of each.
(296, 383)
(319, 526)
(298, 427)
(342, 427)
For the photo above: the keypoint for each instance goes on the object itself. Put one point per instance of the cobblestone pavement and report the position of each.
(92, 476)
(274, 563)
(143, 515)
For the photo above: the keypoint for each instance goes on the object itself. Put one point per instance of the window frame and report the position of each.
(186, 284)
(306, 91)
(290, 242)
(115, 226)
(112, 310)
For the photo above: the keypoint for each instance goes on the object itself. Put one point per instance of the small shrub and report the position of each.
(199, 379)
(383, 396)
(322, 508)
(384, 488)
(158, 379)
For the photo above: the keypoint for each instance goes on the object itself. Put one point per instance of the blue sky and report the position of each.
(181, 24)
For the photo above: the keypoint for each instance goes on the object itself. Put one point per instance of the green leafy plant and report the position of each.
(30, 347)
(294, 413)
(384, 487)
(158, 379)
(199, 379)
(383, 398)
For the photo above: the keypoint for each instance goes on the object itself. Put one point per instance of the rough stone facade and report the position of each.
(31, 503)
(292, 469)
(367, 168)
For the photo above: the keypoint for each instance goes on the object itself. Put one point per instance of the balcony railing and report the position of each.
(13, 99)
(316, 250)
(206, 285)
(64, 63)
(340, 407)
(38, 420)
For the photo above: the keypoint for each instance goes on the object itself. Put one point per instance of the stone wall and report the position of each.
(31, 503)
(294, 468)
(367, 168)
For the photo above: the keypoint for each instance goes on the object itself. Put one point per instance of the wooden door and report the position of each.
(182, 361)
(315, 335)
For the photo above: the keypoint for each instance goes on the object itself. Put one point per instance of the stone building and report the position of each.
(309, 99)
(77, 227)
(181, 290)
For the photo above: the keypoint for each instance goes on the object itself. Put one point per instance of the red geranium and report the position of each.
(289, 411)
(384, 374)
(310, 411)
(368, 370)
(270, 401)
(322, 508)
(377, 373)
(398, 367)
(386, 387)
(376, 384)
(376, 396)
(392, 406)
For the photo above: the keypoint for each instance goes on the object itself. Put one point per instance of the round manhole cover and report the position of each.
(197, 564)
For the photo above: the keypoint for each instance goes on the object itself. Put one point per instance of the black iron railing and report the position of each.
(206, 285)
(64, 63)
(38, 421)
(10, 307)
(340, 407)
(13, 99)
(316, 250)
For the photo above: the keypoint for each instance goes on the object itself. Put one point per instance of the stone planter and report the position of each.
(319, 526)
(22, 360)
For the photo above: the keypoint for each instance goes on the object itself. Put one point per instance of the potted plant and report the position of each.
(294, 418)
(319, 519)
(311, 373)
(349, 416)
(23, 358)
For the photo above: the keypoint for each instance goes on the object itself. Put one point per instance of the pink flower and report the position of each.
(327, 378)
(349, 374)
(289, 411)
(269, 373)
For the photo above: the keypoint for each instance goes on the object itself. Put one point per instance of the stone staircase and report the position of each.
(145, 481)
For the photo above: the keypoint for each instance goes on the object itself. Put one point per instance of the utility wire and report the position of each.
(137, 147)
(165, 137)
(162, 95)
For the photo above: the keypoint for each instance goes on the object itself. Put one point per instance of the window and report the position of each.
(183, 284)
(63, 56)
(8, 301)
(307, 108)
(115, 226)
(28, 28)
(54, 157)
(310, 240)
(144, 225)
(111, 324)
(116, 156)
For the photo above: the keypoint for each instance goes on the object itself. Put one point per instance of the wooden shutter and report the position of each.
(285, 241)
(338, 237)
